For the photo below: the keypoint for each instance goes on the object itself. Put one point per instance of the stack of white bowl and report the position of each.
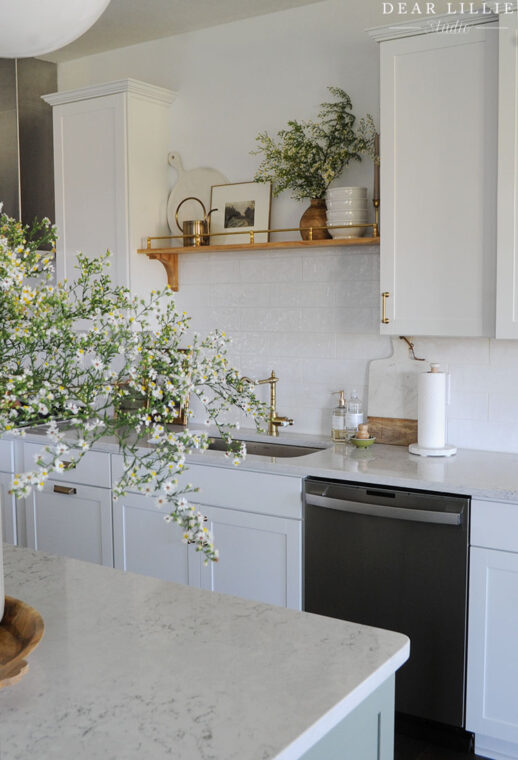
(347, 205)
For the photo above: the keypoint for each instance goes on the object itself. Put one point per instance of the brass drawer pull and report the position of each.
(67, 490)
(68, 465)
(384, 319)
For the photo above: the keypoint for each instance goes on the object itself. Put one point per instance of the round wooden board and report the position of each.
(21, 629)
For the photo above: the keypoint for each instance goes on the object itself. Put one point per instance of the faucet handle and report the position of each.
(282, 421)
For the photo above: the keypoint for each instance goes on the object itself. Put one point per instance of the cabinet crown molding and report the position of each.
(129, 86)
(428, 25)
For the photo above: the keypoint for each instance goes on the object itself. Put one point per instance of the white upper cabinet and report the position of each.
(438, 129)
(507, 268)
(111, 176)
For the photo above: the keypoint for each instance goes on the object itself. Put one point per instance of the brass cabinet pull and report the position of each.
(68, 465)
(384, 319)
(67, 490)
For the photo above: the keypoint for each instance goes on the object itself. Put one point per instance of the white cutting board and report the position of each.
(195, 183)
(392, 390)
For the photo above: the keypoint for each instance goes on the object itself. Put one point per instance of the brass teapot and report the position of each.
(195, 231)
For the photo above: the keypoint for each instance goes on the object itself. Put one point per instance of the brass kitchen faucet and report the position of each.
(274, 420)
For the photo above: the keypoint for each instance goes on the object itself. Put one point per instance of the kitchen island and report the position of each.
(132, 667)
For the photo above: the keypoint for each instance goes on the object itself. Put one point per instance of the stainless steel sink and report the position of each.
(267, 449)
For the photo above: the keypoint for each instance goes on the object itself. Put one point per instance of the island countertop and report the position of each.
(132, 667)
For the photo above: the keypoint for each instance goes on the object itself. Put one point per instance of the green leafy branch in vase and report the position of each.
(89, 360)
(307, 156)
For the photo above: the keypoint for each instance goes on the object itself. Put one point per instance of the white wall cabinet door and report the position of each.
(438, 182)
(144, 543)
(492, 691)
(111, 176)
(8, 501)
(71, 520)
(260, 557)
(507, 269)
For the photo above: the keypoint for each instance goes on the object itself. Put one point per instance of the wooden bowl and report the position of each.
(21, 629)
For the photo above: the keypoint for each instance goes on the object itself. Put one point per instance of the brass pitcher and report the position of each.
(195, 231)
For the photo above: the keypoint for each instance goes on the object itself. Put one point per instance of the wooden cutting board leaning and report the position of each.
(392, 395)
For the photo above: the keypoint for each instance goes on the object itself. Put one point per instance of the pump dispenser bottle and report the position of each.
(338, 431)
(354, 415)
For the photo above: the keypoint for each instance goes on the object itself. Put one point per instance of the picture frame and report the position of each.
(241, 207)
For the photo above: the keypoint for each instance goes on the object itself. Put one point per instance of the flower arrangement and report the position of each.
(77, 352)
(309, 155)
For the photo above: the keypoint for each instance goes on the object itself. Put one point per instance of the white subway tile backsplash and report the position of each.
(224, 271)
(468, 406)
(359, 320)
(313, 317)
(448, 351)
(366, 347)
(255, 343)
(270, 269)
(303, 344)
(240, 295)
(504, 353)
(301, 294)
(341, 267)
(503, 407)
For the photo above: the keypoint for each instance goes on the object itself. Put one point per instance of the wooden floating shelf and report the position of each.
(169, 256)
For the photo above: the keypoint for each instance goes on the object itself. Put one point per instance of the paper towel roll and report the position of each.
(431, 410)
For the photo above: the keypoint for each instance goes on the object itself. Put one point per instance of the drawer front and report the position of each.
(71, 520)
(93, 470)
(494, 525)
(237, 488)
(264, 493)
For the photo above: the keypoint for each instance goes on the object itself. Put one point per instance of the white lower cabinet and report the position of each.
(256, 520)
(144, 543)
(71, 520)
(492, 691)
(260, 556)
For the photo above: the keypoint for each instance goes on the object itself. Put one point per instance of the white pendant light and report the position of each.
(35, 27)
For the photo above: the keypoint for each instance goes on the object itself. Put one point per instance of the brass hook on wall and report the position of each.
(411, 347)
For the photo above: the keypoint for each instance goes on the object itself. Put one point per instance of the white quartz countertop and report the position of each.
(132, 667)
(481, 474)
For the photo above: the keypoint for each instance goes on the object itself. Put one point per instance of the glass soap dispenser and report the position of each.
(338, 431)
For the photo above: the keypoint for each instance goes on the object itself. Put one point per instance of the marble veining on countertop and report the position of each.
(481, 474)
(133, 667)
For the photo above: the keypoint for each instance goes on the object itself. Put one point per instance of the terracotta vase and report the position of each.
(314, 216)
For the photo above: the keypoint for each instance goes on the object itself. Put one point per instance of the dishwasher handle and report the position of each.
(380, 510)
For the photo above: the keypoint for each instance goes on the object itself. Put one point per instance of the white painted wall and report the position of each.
(311, 316)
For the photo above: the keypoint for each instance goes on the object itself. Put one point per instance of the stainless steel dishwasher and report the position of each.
(395, 559)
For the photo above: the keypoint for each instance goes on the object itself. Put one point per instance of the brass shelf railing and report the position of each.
(169, 256)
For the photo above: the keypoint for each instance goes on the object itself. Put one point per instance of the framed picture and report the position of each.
(241, 207)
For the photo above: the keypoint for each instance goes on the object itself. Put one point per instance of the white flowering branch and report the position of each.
(91, 355)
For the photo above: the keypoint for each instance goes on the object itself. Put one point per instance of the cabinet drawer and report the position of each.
(93, 470)
(237, 488)
(71, 520)
(264, 493)
(494, 525)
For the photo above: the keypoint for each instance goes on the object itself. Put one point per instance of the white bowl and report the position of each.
(346, 204)
(346, 192)
(349, 232)
(352, 216)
